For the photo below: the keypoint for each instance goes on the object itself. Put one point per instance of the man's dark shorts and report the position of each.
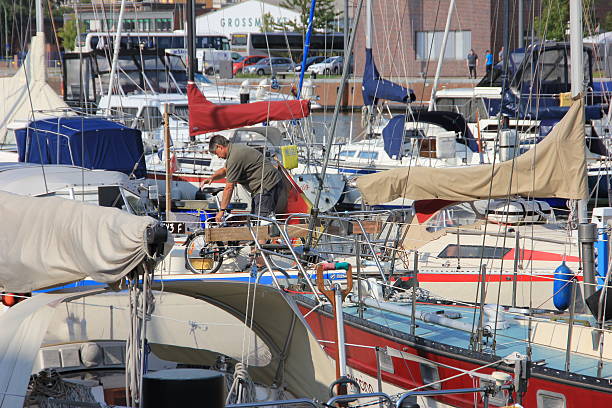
(265, 203)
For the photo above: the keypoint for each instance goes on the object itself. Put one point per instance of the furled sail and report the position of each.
(556, 167)
(374, 87)
(206, 117)
(28, 91)
(50, 241)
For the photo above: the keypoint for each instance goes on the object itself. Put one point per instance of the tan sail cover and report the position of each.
(28, 91)
(53, 241)
(555, 167)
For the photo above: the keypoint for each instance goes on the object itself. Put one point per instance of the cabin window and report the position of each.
(429, 374)
(549, 399)
(368, 155)
(347, 153)
(473, 251)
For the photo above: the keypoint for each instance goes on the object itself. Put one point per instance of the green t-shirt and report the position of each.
(247, 166)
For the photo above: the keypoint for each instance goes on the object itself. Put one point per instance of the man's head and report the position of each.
(218, 145)
(472, 51)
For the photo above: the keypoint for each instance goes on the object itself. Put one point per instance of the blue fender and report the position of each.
(562, 287)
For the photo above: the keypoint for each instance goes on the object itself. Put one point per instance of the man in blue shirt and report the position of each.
(488, 61)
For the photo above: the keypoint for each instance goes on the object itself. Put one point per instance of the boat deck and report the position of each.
(550, 354)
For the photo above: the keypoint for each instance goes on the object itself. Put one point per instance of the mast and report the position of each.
(521, 29)
(307, 47)
(441, 57)
(189, 32)
(115, 55)
(191, 56)
(586, 231)
(40, 22)
(321, 177)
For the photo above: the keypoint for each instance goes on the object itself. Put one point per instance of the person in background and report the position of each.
(488, 61)
(500, 56)
(472, 62)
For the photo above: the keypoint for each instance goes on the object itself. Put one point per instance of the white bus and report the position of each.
(278, 43)
(151, 40)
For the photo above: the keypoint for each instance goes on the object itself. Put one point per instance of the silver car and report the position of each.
(272, 65)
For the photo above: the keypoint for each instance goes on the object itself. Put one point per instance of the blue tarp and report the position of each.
(93, 143)
(541, 108)
(374, 87)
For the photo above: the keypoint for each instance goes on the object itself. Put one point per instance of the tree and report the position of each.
(267, 23)
(324, 18)
(553, 22)
(68, 34)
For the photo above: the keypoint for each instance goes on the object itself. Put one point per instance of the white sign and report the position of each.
(245, 17)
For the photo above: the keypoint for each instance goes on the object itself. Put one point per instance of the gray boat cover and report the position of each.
(556, 167)
(49, 241)
(185, 328)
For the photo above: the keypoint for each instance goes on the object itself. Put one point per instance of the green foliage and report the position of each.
(553, 22)
(324, 17)
(267, 23)
(68, 34)
(607, 23)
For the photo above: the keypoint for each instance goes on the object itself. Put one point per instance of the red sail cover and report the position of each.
(205, 116)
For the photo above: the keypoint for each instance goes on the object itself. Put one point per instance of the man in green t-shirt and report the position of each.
(249, 168)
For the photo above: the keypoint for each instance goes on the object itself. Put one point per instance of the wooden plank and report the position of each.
(243, 233)
(369, 227)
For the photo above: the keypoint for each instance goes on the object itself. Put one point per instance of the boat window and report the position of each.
(473, 251)
(466, 106)
(429, 374)
(151, 118)
(368, 155)
(549, 399)
(347, 153)
(135, 203)
(454, 216)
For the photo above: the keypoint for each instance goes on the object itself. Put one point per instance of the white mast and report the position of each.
(441, 57)
(577, 71)
(115, 56)
(39, 17)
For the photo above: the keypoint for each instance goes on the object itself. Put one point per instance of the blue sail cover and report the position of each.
(393, 137)
(374, 87)
(93, 143)
(541, 108)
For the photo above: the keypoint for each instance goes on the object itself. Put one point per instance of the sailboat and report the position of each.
(415, 342)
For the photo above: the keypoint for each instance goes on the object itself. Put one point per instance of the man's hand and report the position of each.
(206, 181)
(219, 216)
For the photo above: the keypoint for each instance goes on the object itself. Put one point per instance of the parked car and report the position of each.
(271, 66)
(309, 61)
(332, 65)
(245, 62)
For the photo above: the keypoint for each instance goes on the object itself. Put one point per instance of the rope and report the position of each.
(242, 389)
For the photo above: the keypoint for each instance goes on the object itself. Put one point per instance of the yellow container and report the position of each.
(202, 264)
(290, 156)
(565, 99)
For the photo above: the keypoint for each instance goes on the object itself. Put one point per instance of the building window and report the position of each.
(429, 44)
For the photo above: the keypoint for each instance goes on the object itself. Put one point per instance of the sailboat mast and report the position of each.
(115, 55)
(39, 17)
(441, 57)
(189, 32)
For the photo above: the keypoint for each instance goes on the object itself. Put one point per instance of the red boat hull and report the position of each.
(407, 373)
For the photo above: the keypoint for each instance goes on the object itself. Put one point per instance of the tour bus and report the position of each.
(277, 43)
(151, 40)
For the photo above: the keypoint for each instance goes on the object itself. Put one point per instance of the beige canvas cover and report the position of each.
(48, 241)
(28, 91)
(555, 167)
